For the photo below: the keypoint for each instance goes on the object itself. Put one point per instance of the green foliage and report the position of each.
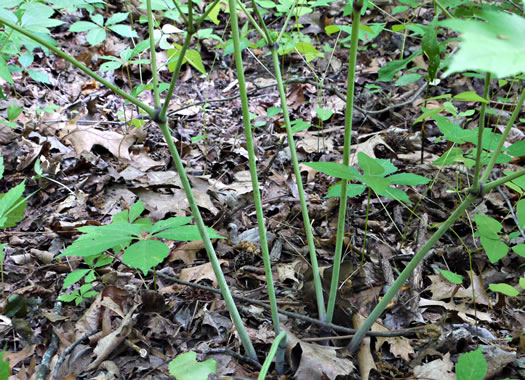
(12, 203)
(486, 42)
(5, 372)
(186, 367)
(97, 27)
(471, 366)
(452, 277)
(377, 174)
(136, 237)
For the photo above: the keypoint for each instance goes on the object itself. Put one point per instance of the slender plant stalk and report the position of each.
(302, 199)
(273, 349)
(150, 111)
(160, 119)
(477, 168)
(253, 164)
(471, 197)
(356, 15)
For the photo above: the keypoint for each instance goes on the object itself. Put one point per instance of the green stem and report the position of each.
(230, 303)
(346, 159)
(253, 165)
(153, 54)
(508, 127)
(405, 274)
(271, 354)
(150, 111)
(481, 128)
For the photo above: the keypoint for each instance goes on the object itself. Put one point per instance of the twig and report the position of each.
(68, 351)
(43, 369)
(346, 330)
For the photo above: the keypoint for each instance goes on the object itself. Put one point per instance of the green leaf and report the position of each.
(378, 184)
(122, 229)
(90, 245)
(352, 190)
(11, 206)
(519, 249)
(335, 169)
(272, 111)
(13, 112)
(408, 179)
(310, 53)
(517, 149)
(494, 249)
(123, 30)
(522, 282)
(504, 289)
(407, 79)
(427, 114)
(116, 18)
(431, 48)
(96, 36)
(186, 233)
(487, 226)
(5, 372)
(170, 223)
(82, 26)
(324, 114)
(4, 71)
(1, 166)
(471, 366)
(145, 254)
(520, 213)
(186, 367)
(369, 165)
(135, 210)
(194, 58)
(387, 72)
(39, 76)
(396, 195)
(450, 157)
(494, 46)
(469, 96)
(452, 277)
(74, 277)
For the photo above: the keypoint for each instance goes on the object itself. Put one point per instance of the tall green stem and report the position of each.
(230, 303)
(253, 164)
(356, 14)
(477, 169)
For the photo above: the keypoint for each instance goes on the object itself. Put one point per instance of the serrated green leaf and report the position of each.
(39, 76)
(122, 229)
(378, 184)
(82, 26)
(74, 277)
(89, 245)
(116, 18)
(494, 45)
(352, 190)
(12, 206)
(186, 233)
(145, 254)
(452, 277)
(135, 210)
(123, 30)
(96, 36)
(369, 165)
(396, 195)
(504, 289)
(517, 149)
(450, 157)
(471, 366)
(427, 114)
(408, 179)
(335, 169)
(170, 223)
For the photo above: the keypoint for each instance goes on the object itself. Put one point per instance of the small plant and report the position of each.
(186, 367)
(471, 366)
(138, 239)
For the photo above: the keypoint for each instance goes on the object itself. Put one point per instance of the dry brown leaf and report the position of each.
(200, 272)
(439, 369)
